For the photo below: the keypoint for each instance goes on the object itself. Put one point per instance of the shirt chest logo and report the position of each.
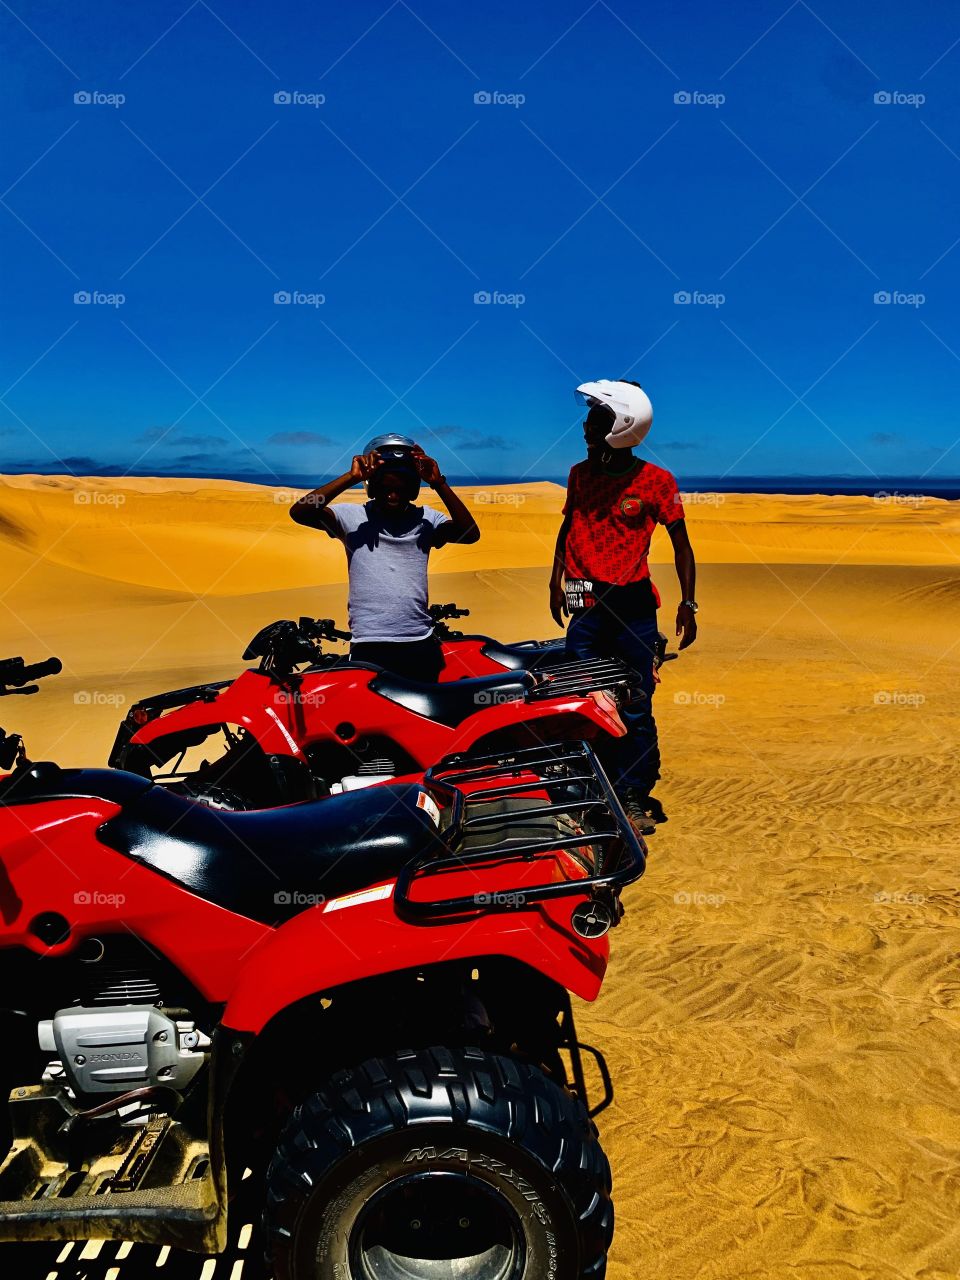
(631, 507)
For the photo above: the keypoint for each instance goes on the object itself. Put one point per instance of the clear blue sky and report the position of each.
(597, 198)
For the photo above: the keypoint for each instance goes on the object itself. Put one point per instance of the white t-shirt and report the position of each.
(387, 569)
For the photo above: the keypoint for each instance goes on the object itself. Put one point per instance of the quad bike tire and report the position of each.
(434, 1164)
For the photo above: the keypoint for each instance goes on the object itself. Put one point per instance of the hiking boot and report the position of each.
(655, 809)
(636, 805)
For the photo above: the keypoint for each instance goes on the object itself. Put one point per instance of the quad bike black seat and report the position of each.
(453, 702)
(527, 656)
(270, 864)
(45, 780)
(267, 865)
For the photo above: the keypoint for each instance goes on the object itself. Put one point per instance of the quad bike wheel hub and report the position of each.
(434, 1226)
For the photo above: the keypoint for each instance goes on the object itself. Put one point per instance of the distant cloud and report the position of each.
(462, 438)
(78, 466)
(213, 463)
(885, 437)
(485, 442)
(196, 459)
(170, 437)
(200, 442)
(286, 438)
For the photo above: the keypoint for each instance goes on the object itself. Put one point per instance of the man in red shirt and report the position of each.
(601, 578)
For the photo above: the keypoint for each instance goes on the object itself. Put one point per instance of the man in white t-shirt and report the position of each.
(388, 540)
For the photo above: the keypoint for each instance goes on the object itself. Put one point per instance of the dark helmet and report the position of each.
(393, 449)
(397, 454)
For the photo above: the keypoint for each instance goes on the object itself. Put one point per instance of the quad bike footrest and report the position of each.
(103, 1179)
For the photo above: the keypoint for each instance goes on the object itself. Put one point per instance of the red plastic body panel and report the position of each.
(465, 658)
(326, 704)
(52, 861)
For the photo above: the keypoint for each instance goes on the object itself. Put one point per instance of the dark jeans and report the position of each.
(605, 632)
(413, 659)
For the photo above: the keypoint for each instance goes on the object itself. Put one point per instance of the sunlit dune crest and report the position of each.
(782, 1012)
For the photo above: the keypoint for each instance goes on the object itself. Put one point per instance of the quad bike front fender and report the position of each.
(253, 701)
(353, 938)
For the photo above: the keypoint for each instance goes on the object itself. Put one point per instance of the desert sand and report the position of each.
(782, 1010)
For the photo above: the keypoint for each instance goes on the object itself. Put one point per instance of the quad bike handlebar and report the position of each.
(440, 611)
(282, 646)
(17, 677)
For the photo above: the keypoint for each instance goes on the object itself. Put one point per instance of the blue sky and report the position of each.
(626, 155)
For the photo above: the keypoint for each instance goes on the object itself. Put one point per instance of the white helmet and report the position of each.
(633, 412)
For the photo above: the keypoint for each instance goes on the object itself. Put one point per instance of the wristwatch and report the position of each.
(691, 604)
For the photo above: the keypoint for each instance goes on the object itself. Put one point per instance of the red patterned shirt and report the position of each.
(612, 519)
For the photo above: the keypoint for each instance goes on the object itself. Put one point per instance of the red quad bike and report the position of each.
(479, 655)
(357, 1006)
(306, 722)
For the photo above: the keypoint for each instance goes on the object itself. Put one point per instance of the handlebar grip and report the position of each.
(24, 675)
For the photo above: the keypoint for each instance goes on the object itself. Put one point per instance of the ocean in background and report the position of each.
(904, 487)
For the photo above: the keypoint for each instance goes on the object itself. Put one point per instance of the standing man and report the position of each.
(388, 540)
(614, 502)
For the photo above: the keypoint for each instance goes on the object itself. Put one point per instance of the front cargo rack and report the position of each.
(149, 708)
(534, 801)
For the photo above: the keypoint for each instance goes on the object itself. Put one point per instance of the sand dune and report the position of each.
(782, 1013)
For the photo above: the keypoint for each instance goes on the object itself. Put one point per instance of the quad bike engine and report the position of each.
(122, 1047)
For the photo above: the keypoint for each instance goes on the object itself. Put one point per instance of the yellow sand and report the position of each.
(782, 1013)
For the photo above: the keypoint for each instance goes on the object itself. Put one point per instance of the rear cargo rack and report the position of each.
(584, 816)
(583, 676)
